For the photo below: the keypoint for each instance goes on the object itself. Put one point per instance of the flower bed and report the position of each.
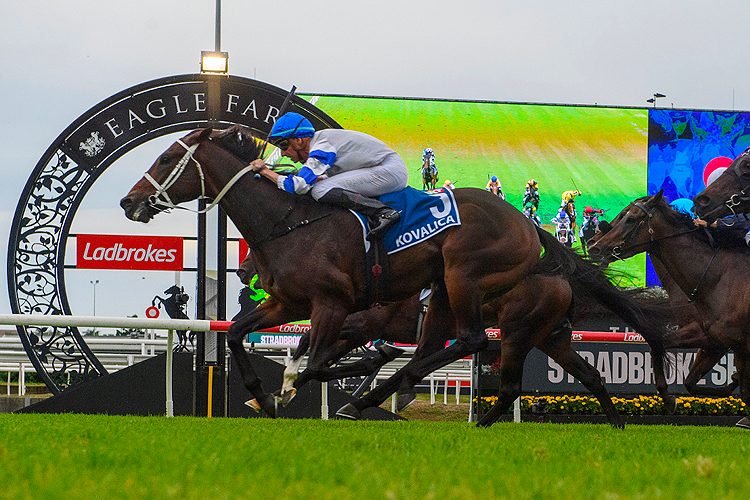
(641, 405)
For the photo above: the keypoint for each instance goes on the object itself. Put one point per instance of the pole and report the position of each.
(170, 400)
(217, 32)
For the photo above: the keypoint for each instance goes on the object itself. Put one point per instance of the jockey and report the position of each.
(590, 217)
(563, 226)
(428, 155)
(340, 167)
(448, 185)
(569, 197)
(531, 196)
(495, 187)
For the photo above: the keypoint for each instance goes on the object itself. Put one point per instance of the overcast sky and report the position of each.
(61, 58)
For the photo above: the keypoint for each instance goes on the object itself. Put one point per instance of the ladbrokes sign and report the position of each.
(146, 253)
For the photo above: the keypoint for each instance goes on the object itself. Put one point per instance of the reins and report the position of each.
(617, 251)
(179, 168)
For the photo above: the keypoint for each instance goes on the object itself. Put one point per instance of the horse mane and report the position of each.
(241, 142)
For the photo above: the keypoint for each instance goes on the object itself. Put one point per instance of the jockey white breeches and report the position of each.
(390, 175)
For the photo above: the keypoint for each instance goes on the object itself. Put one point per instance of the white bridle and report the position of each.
(179, 168)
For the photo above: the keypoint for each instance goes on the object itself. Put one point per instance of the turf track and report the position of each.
(68, 456)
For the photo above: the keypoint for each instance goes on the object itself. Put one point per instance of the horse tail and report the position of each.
(649, 316)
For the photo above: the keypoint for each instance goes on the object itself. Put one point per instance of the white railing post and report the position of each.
(170, 402)
(517, 410)
(458, 391)
(8, 382)
(432, 388)
(445, 390)
(21, 380)
(324, 400)
(393, 403)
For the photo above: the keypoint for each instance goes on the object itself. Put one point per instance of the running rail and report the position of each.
(196, 325)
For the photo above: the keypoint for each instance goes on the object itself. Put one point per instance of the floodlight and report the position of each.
(659, 95)
(214, 62)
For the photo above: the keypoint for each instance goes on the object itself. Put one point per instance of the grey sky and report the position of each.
(61, 58)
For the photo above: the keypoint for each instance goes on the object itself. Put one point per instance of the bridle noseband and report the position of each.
(617, 250)
(157, 203)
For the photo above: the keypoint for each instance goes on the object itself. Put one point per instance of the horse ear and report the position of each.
(659, 196)
(205, 134)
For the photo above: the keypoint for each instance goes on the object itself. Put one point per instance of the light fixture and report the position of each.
(214, 62)
(653, 99)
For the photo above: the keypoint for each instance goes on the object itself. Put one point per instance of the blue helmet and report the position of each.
(292, 125)
(494, 178)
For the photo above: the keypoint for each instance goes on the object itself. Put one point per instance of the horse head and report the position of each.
(727, 195)
(630, 233)
(177, 176)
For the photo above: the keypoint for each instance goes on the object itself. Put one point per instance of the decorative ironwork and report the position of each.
(68, 169)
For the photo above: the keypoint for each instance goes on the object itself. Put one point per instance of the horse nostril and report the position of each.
(594, 250)
(702, 200)
(126, 203)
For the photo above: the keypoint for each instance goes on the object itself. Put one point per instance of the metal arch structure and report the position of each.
(71, 165)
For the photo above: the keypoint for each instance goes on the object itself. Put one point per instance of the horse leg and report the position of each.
(558, 347)
(705, 359)
(325, 326)
(662, 388)
(270, 313)
(514, 347)
(384, 354)
(437, 324)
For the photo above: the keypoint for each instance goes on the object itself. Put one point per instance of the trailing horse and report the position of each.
(522, 314)
(310, 257)
(715, 279)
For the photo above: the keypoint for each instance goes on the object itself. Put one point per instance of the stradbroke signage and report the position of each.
(622, 359)
(69, 168)
(146, 253)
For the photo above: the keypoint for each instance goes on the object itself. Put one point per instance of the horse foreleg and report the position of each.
(325, 328)
(267, 314)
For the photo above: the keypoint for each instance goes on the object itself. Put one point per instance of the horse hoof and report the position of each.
(405, 400)
(390, 352)
(287, 396)
(744, 423)
(349, 412)
(253, 404)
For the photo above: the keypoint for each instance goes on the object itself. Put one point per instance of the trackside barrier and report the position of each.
(196, 325)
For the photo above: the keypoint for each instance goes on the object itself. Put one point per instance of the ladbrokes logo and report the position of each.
(148, 253)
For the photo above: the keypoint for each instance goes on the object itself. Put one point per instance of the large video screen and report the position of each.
(600, 151)
(686, 149)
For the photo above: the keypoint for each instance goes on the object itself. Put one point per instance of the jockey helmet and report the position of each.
(532, 183)
(447, 182)
(428, 152)
(290, 126)
(589, 210)
(493, 178)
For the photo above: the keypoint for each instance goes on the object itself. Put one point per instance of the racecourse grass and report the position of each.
(109, 457)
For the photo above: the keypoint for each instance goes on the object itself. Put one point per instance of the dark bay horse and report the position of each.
(310, 257)
(714, 279)
(729, 194)
(535, 313)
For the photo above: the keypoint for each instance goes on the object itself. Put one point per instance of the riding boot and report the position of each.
(381, 216)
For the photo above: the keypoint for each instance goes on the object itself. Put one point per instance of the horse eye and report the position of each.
(164, 160)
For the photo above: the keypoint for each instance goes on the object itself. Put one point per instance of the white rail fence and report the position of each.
(116, 353)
